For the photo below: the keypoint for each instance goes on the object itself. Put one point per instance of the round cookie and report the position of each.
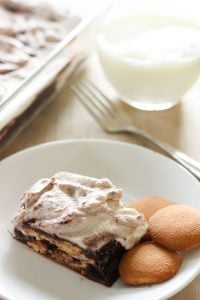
(176, 227)
(149, 205)
(148, 263)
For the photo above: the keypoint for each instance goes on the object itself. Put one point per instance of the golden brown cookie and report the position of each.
(149, 205)
(176, 227)
(148, 263)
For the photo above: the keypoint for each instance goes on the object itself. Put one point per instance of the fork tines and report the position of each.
(93, 98)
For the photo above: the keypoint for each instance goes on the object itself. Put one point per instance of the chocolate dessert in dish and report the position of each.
(79, 222)
(29, 32)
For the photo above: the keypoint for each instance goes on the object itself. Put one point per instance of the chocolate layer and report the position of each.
(99, 266)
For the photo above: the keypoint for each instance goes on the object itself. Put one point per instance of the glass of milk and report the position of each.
(150, 56)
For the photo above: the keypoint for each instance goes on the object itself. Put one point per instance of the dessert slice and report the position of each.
(79, 222)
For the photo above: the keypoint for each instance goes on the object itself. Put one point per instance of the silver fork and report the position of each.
(115, 120)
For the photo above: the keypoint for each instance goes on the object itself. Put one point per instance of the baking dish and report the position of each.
(33, 93)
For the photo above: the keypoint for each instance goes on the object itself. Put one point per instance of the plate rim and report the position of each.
(107, 141)
(95, 140)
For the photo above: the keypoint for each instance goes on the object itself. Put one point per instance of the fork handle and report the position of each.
(191, 165)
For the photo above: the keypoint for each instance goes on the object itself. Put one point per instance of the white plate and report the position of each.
(26, 275)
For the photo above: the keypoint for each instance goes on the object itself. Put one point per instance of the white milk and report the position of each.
(151, 60)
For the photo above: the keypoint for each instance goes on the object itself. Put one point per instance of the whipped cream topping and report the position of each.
(83, 210)
(29, 30)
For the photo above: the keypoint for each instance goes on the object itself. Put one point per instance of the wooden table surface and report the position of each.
(66, 118)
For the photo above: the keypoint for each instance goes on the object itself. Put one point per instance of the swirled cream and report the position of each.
(84, 210)
(38, 28)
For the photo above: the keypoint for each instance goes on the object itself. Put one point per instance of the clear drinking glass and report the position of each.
(150, 50)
